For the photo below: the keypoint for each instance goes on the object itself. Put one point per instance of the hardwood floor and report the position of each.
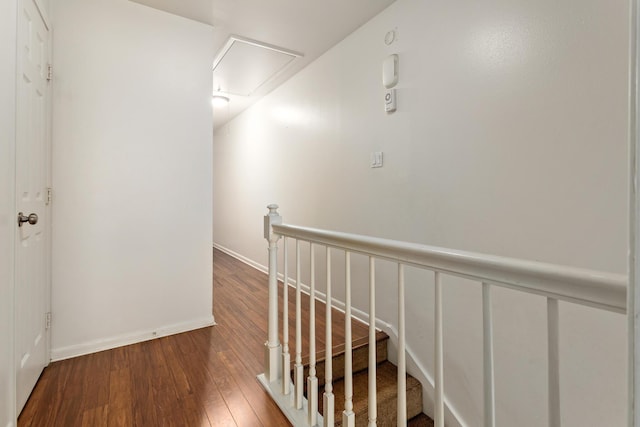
(205, 377)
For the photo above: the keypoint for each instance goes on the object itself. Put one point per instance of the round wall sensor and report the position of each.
(390, 37)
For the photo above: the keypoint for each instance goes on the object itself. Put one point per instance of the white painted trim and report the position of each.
(43, 14)
(598, 289)
(95, 346)
(320, 296)
(242, 258)
(633, 291)
(9, 126)
(295, 56)
(235, 38)
(49, 177)
(297, 417)
(452, 416)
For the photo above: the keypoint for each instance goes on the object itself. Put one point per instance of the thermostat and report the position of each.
(390, 71)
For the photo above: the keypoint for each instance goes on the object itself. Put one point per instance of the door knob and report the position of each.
(31, 219)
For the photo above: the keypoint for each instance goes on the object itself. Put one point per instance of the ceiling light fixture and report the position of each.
(219, 101)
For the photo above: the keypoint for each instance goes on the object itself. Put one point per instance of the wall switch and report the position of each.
(376, 159)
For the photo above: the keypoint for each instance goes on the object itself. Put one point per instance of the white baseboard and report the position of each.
(452, 416)
(320, 296)
(127, 339)
(242, 258)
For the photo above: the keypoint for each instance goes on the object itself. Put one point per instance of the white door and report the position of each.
(32, 178)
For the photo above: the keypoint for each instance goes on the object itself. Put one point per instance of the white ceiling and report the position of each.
(310, 28)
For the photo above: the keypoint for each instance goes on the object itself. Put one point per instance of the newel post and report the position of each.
(272, 354)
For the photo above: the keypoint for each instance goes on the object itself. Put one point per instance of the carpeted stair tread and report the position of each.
(421, 420)
(386, 385)
(359, 356)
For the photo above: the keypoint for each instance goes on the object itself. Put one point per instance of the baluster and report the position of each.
(348, 416)
(329, 398)
(286, 357)
(298, 376)
(312, 381)
(373, 400)
(272, 347)
(554, 362)
(439, 371)
(487, 344)
(402, 366)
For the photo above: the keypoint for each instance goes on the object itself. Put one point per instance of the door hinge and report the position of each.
(47, 321)
(49, 72)
(49, 195)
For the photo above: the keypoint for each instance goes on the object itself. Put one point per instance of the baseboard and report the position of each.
(452, 416)
(320, 296)
(242, 258)
(127, 339)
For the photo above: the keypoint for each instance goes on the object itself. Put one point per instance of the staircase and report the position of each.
(386, 385)
(589, 288)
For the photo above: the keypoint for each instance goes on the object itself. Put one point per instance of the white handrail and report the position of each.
(607, 291)
(601, 290)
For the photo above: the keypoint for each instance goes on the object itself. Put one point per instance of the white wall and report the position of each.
(509, 139)
(131, 174)
(7, 207)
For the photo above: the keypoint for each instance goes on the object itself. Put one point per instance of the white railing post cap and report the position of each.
(273, 208)
(273, 217)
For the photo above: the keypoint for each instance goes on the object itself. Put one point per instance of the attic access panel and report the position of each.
(243, 65)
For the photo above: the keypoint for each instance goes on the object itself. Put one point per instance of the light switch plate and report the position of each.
(376, 159)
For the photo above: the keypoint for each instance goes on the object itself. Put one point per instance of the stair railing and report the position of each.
(600, 290)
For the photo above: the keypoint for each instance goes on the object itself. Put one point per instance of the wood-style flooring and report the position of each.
(205, 377)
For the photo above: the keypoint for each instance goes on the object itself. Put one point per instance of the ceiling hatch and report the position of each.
(243, 66)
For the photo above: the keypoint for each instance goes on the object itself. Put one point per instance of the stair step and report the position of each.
(421, 420)
(359, 358)
(386, 386)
